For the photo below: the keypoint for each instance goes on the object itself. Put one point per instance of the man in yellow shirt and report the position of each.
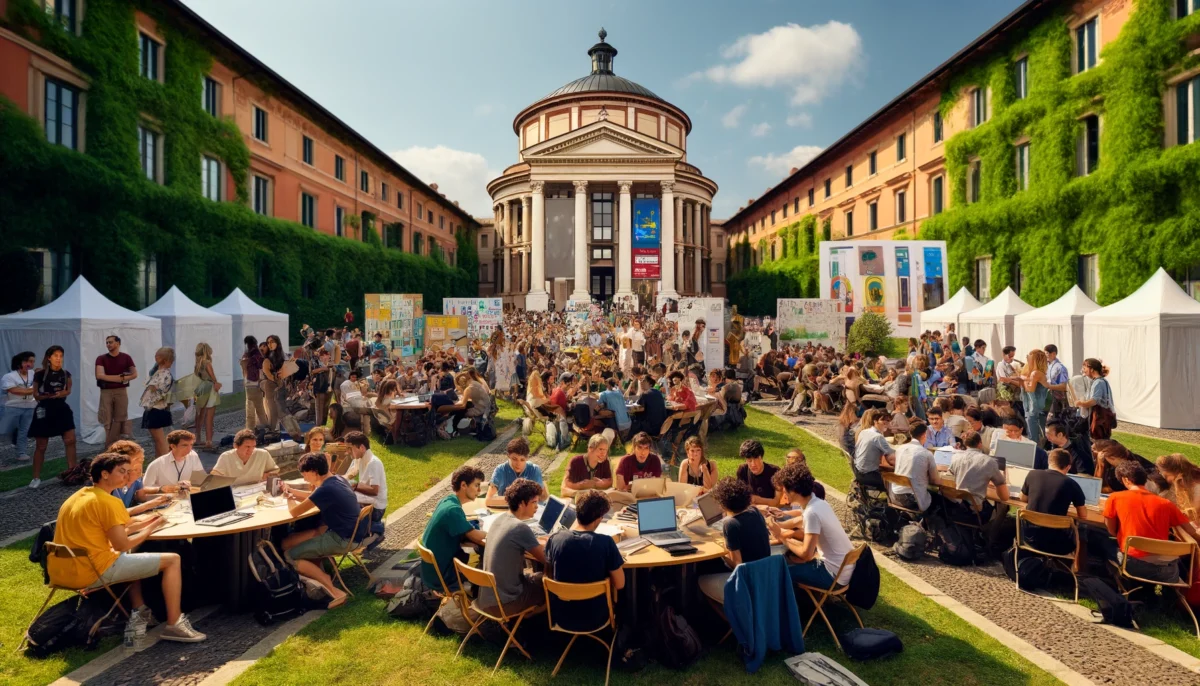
(96, 521)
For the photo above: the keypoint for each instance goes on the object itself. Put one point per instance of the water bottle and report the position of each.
(130, 638)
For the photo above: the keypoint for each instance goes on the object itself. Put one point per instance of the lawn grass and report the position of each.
(1153, 448)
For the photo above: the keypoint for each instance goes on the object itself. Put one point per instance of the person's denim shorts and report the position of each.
(130, 567)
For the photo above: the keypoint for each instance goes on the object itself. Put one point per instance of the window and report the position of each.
(210, 177)
(785, 210)
(937, 126)
(308, 210)
(1189, 280)
(148, 57)
(364, 182)
(441, 221)
(772, 217)
(938, 192)
(602, 216)
(1023, 167)
(418, 244)
(720, 272)
(55, 273)
(393, 236)
(849, 175)
(262, 195)
(871, 167)
(828, 187)
(147, 285)
(1085, 46)
(383, 192)
(339, 168)
(901, 148)
(849, 223)
(796, 204)
(1187, 110)
(339, 221)
(483, 240)
(1018, 278)
(1089, 145)
(901, 207)
(306, 150)
(811, 199)
(212, 104)
(873, 216)
(1185, 7)
(63, 12)
(483, 273)
(62, 114)
(1089, 275)
(1021, 78)
(148, 152)
(601, 253)
(983, 278)
(400, 199)
(979, 105)
(974, 180)
(260, 124)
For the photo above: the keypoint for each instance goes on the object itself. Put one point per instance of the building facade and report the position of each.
(564, 213)
(991, 151)
(489, 263)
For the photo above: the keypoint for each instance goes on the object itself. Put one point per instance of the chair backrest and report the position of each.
(666, 425)
(479, 578)
(59, 550)
(1044, 520)
(1156, 546)
(896, 479)
(363, 515)
(428, 558)
(850, 559)
(570, 592)
(965, 496)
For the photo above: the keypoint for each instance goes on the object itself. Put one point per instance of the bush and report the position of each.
(870, 334)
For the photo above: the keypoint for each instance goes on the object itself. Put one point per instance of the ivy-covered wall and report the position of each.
(793, 274)
(100, 206)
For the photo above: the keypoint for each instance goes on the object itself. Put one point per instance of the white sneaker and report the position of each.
(35, 483)
(145, 614)
(182, 632)
(22, 458)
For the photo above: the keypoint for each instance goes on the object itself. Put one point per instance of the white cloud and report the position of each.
(461, 175)
(780, 165)
(808, 60)
(483, 109)
(760, 129)
(801, 119)
(733, 117)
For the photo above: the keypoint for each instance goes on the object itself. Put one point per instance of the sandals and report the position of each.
(338, 602)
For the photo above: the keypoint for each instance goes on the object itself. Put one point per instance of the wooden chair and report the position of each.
(893, 479)
(1154, 546)
(486, 580)
(685, 427)
(355, 550)
(62, 551)
(573, 592)
(818, 596)
(952, 496)
(702, 420)
(1047, 521)
(533, 416)
(446, 595)
(718, 606)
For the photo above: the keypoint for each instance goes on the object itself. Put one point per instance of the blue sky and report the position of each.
(767, 83)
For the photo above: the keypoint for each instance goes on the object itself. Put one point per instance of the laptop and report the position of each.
(1018, 453)
(1015, 476)
(656, 522)
(650, 487)
(1091, 487)
(552, 513)
(207, 482)
(709, 511)
(943, 456)
(216, 507)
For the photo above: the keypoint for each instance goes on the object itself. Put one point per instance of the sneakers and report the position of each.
(182, 632)
(35, 483)
(145, 614)
(22, 458)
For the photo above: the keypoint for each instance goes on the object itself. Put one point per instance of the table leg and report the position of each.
(633, 596)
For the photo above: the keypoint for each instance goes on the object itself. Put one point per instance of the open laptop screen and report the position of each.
(550, 514)
(710, 509)
(1091, 487)
(1019, 453)
(208, 503)
(656, 515)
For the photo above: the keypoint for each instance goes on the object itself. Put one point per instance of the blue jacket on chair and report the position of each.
(761, 609)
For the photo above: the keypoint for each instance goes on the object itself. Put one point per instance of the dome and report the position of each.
(602, 79)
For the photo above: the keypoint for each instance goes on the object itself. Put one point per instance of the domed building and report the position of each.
(602, 203)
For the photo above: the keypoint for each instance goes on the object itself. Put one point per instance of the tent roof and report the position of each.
(962, 301)
(175, 304)
(239, 303)
(1007, 303)
(1073, 303)
(1159, 296)
(81, 302)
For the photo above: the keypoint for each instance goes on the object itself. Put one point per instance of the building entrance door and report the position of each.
(602, 283)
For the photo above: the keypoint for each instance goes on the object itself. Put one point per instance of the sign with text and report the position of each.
(810, 320)
(647, 239)
(399, 318)
(483, 314)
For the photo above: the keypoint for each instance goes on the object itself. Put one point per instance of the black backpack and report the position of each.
(911, 545)
(678, 644)
(1035, 573)
(629, 651)
(1115, 608)
(283, 595)
(581, 415)
(74, 622)
(870, 644)
(413, 600)
(956, 548)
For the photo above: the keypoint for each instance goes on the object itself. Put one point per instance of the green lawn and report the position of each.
(1153, 448)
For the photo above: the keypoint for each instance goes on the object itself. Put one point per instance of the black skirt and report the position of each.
(156, 419)
(52, 419)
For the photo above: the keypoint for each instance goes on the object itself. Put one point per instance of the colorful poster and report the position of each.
(445, 331)
(647, 239)
(810, 320)
(870, 260)
(712, 311)
(398, 317)
(839, 280)
(933, 289)
(904, 301)
(483, 314)
(873, 298)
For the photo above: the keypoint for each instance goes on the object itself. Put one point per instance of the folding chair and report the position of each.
(355, 550)
(684, 428)
(571, 592)
(1047, 521)
(716, 603)
(533, 416)
(446, 595)
(818, 596)
(483, 580)
(893, 479)
(1154, 546)
(951, 496)
(62, 551)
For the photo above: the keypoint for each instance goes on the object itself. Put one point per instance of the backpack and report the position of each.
(956, 548)
(37, 553)
(871, 516)
(678, 644)
(1115, 608)
(74, 622)
(79, 475)
(912, 542)
(283, 595)
(581, 414)
(413, 600)
(864, 582)
(484, 431)
(870, 644)
(629, 652)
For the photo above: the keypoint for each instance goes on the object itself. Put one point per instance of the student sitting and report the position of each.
(973, 471)
(614, 412)
(756, 473)
(448, 528)
(1051, 491)
(509, 540)
(745, 532)
(246, 463)
(872, 450)
(938, 434)
(334, 496)
(1014, 431)
(136, 496)
(916, 462)
(92, 519)
(516, 467)
(654, 409)
(1135, 511)
(579, 556)
(168, 472)
(589, 472)
(817, 547)
(639, 464)
(1082, 461)
(367, 478)
(956, 418)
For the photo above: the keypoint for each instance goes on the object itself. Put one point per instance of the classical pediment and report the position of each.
(601, 142)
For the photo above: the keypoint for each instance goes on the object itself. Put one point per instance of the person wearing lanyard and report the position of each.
(174, 470)
(16, 388)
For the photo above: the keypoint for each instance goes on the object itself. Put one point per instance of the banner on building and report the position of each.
(934, 288)
(399, 318)
(839, 279)
(871, 259)
(647, 239)
(904, 302)
(483, 314)
(810, 320)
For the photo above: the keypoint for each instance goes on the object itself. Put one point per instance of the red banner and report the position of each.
(646, 263)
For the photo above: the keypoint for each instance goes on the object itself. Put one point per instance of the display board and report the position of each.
(810, 320)
(712, 311)
(399, 317)
(646, 239)
(896, 279)
(483, 314)
(560, 238)
(444, 331)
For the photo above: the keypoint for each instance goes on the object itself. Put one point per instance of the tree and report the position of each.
(869, 334)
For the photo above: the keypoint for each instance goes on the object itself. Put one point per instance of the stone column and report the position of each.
(696, 229)
(625, 248)
(580, 292)
(666, 289)
(526, 220)
(537, 300)
(679, 270)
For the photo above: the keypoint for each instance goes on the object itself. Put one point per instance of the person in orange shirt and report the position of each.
(1138, 512)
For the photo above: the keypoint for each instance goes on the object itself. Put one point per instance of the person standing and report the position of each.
(114, 371)
(156, 399)
(1098, 406)
(208, 396)
(638, 339)
(1034, 389)
(252, 362)
(52, 416)
(348, 317)
(19, 403)
(272, 381)
(322, 386)
(1057, 378)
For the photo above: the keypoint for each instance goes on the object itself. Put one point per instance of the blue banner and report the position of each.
(933, 264)
(647, 221)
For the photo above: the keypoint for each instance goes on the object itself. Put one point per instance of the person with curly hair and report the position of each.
(815, 548)
(509, 541)
(579, 556)
(747, 538)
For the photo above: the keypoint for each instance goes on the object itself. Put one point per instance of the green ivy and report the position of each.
(794, 275)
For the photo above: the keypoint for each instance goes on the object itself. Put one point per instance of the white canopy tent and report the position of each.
(993, 321)
(80, 320)
(1149, 341)
(940, 318)
(1060, 323)
(185, 324)
(250, 319)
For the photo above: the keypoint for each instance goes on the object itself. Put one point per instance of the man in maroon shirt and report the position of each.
(114, 371)
(639, 464)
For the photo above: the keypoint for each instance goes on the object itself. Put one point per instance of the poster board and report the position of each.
(810, 320)
(445, 331)
(896, 279)
(712, 311)
(399, 317)
(483, 314)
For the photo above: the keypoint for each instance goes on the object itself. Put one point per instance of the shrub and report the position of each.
(870, 334)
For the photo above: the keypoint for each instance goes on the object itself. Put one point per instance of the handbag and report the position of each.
(1103, 421)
